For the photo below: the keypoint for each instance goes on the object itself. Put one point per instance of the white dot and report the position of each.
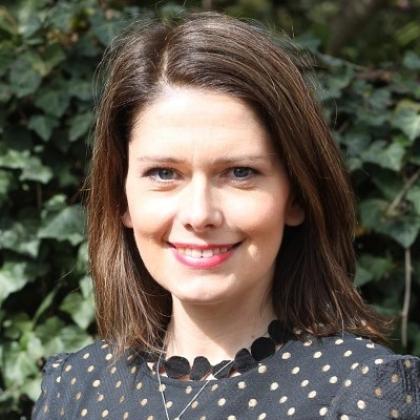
(365, 370)
(344, 417)
(347, 383)
(214, 387)
(143, 402)
(307, 343)
(312, 394)
(262, 416)
(118, 384)
(274, 386)
(231, 418)
(361, 404)
(169, 404)
(354, 366)
(370, 345)
(379, 361)
(326, 368)
(90, 368)
(108, 356)
(394, 413)
(252, 402)
(194, 404)
(221, 402)
(317, 354)
(188, 389)
(241, 385)
(339, 341)
(67, 368)
(162, 387)
(96, 383)
(139, 385)
(113, 370)
(104, 346)
(125, 416)
(100, 397)
(295, 370)
(105, 413)
(58, 379)
(407, 363)
(323, 411)
(347, 353)
(86, 355)
(408, 399)
(304, 383)
(133, 369)
(262, 369)
(83, 412)
(291, 411)
(283, 399)
(333, 380)
(286, 355)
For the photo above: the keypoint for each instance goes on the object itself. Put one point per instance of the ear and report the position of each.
(295, 214)
(126, 219)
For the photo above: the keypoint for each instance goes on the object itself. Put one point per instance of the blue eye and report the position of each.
(242, 172)
(161, 174)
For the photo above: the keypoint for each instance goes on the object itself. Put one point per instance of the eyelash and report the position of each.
(152, 172)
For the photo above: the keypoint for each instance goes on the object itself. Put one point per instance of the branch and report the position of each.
(397, 200)
(407, 297)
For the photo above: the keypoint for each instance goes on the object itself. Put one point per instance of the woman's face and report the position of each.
(207, 197)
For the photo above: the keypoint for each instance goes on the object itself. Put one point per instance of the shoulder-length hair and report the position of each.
(313, 287)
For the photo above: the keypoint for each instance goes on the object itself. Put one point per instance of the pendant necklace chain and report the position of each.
(196, 395)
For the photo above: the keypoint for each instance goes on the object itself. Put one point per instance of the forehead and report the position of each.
(193, 121)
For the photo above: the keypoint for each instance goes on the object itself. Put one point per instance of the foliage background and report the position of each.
(49, 50)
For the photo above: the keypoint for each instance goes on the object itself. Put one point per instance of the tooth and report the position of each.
(223, 250)
(188, 251)
(208, 253)
(195, 253)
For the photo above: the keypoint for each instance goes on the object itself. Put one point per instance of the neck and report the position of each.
(219, 331)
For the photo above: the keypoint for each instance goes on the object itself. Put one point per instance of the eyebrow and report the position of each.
(225, 160)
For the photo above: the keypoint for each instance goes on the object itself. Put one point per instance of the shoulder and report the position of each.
(375, 382)
(67, 375)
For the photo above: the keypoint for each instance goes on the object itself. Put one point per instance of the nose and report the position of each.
(199, 207)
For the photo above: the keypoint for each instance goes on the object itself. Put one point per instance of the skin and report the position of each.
(201, 199)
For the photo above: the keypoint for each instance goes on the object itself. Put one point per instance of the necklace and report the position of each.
(195, 396)
(244, 360)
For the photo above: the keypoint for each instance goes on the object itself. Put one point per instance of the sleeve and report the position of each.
(47, 406)
(384, 388)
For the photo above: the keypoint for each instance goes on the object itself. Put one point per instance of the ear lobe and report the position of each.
(295, 214)
(126, 219)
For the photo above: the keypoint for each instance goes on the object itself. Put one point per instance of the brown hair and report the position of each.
(312, 288)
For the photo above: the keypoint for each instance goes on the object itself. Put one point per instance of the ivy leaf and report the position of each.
(407, 119)
(53, 102)
(43, 125)
(81, 310)
(411, 60)
(21, 238)
(13, 277)
(31, 166)
(413, 195)
(79, 125)
(18, 366)
(362, 277)
(388, 156)
(67, 225)
(24, 78)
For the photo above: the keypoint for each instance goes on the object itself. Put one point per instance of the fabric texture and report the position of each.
(342, 377)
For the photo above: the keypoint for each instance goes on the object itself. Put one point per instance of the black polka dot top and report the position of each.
(342, 377)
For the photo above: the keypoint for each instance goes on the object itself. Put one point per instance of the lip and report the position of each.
(201, 247)
(203, 262)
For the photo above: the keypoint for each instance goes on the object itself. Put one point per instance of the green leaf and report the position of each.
(362, 277)
(21, 238)
(18, 366)
(67, 225)
(43, 125)
(411, 60)
(378, 267)
(408, 121)
(371, 212)
(413, 195)
(13, 277)
(24, 76)
(81, 310)
(31, 166)
(53, 102)
(80, 125)
(388, 156)
(404, 230)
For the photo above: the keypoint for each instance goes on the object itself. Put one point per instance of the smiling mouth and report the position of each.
(203, 253)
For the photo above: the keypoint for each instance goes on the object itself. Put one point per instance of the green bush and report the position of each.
(48, 56)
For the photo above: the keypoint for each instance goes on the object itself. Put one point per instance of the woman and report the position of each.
(220, 232)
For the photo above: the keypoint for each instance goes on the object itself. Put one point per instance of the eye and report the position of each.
(161, 174)
(242, 173)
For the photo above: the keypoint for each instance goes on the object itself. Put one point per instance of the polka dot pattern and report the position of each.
(342, 377)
